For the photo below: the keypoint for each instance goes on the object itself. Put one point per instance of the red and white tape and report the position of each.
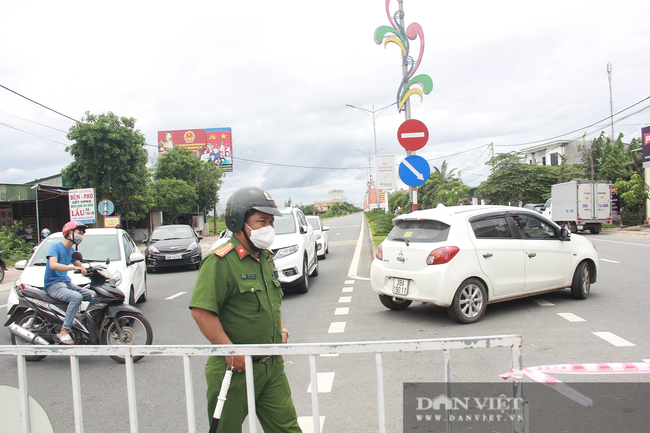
(538, 374)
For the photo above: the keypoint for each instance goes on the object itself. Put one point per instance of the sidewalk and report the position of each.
(12, 274)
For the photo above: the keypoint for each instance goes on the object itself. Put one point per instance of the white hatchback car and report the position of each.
(322, 238)
(126, 262)
(465, 257)
(294, 250)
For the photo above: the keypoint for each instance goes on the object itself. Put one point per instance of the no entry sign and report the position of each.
(413, 135)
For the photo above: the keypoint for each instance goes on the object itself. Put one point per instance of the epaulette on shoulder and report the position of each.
(224, 249)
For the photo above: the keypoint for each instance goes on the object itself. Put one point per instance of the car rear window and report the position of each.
(419, 231)
(284, 224)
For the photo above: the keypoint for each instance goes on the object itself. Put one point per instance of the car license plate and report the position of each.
(173, 256)
(400, 286)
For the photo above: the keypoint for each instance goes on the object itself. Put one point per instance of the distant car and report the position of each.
(465, 257)
(322, 238)
(537, 207)
(294, 250)
(173, 245)
(99, 245)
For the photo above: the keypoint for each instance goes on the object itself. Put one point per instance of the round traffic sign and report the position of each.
(106, 207)
(412, 134)
(414, 170)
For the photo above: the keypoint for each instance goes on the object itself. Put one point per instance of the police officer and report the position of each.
(236, 300)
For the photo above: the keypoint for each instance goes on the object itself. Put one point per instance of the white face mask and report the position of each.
(77, 239)
(262, 238)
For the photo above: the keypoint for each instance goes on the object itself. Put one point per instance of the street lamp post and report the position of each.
(38, 224)
(373, 115)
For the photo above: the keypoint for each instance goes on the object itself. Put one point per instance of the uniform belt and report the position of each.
(261, 359)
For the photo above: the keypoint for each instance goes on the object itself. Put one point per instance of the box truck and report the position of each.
(580, 205)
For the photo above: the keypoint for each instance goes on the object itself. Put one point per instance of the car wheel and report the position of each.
(470, 302)
(394, 303)
(143, 296)
(303, 286)
(327, 250)
(315, 273)
(581, 281)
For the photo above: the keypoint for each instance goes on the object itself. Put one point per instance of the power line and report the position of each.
(38, 103)
(577, 130)
(35, 135)
(299, 166)
(41, 124)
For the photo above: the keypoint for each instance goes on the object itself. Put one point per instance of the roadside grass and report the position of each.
(380, 223)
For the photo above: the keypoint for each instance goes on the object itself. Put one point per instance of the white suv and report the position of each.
(295, 250)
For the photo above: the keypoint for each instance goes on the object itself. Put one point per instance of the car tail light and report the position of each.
(442, 255)
(380, 253)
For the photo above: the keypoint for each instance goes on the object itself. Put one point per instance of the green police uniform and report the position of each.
(246, 296)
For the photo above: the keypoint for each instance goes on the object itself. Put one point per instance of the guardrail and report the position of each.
(310, 349)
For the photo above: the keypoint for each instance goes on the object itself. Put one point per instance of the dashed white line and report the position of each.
(613, 339)
(348, 282)
(571, 317)
(175, 296)
(347, 289)
(325, 381)
(341, 311)
(543, 303)
(609, 261)
(306, 423)
(345, 299)
(336, 328)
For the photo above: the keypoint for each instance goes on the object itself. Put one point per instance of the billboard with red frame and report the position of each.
(210, 145)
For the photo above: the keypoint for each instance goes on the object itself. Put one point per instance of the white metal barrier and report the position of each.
(310, 349)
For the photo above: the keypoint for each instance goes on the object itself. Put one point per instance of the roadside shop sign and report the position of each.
(82, 205)
(386, 172)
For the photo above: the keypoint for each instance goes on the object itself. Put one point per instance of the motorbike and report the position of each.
(3, 267)
(37, 317)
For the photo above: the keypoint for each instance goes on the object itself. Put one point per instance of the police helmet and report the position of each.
(245, 199)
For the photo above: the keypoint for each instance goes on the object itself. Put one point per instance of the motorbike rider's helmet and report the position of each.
(245, 200)
(71, 226)
(45, 233)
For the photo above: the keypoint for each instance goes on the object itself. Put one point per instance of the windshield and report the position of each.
(419, 231)
(176, 232)
(313, 222)
(93, 247)
(284, 224)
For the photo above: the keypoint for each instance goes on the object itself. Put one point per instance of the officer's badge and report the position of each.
(224, 249)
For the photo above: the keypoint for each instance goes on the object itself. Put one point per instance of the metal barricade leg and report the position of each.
(314, 393)
(76, 394)
(447, 372)
(24, 394)
(189, 394)
(130, 392)
(381, 405)
(250, 394)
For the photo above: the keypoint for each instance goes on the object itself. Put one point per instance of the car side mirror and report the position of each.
(20, 265)
(145, 241)
(136, 257)
(303, 230)
(325, 228)
(200, 237)
(565, 234)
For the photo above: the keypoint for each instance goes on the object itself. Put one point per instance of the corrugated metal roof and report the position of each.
(10, 192)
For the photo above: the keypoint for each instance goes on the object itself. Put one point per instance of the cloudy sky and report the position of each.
(281, 73)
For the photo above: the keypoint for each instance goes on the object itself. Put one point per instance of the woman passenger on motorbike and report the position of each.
(57, 282)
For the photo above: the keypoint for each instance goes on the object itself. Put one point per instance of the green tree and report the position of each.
(451, 194)
(336, 209)
(204, 177)
(309, 209)
(512, 181)
(398, 200)
(634, 194)
(287, 203)
(174, 196)
(109, 155)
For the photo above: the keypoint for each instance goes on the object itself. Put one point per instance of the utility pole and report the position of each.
(611, 105)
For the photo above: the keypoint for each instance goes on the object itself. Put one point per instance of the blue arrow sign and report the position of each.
(110, 207)
(414, 170)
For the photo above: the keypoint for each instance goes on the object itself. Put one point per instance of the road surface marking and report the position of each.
(543, 303)
(345, 299)
(609, 261)
(613, 339)
(325, 381)
(175, 296)
(571, 317)
(3, 306)
(341, 311)
(306, 423)
(336, 328)
(354, 265)
(348, 282)
(342, 243)
(347, 289)
(619, 242)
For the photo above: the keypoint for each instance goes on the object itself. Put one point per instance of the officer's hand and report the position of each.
(237, 363)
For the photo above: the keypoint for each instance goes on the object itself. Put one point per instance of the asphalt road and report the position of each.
(610, 326)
